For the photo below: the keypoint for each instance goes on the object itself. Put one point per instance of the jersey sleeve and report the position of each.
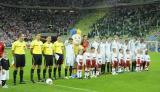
(32, 45)
(13, 46)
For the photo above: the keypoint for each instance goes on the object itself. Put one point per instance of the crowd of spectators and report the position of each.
(128, 20)
(31, 22)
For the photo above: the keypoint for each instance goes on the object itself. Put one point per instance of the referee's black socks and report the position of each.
(55, 69)
(44, 73)
(32, 73)
(21, 75)
(49, 72)
(14, 76)
(38, 74)
(59, 71)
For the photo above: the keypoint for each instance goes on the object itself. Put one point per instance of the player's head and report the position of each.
(80, 52)
(48, 39)
(146, 52)
(1, 48)
(85, 37)
(58, 38)
(121, 50)
(126, 41)
(92, 49)
(141, 40)
(114, 50)
(70, 40)
(103, 39)
(38, 36)
(21, 37)
(127, 51)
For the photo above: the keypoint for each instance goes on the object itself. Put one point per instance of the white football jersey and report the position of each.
(127, 57)
(114, 57)
(99, 58)
(95, 45)
(79, 59)
(120, 57)
(147, 58)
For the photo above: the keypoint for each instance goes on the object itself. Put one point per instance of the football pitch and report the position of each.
(147, 81)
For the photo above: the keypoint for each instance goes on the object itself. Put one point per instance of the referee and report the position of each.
(58, 50)
(48, 57)
(18, 51)
(36, 52)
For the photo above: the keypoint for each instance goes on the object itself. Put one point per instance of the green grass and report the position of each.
(127, 82)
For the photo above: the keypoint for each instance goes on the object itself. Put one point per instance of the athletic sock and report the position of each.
(44, 73)
(55, 69)
(21, 75)
(66, 72)
(38, 74)
(59, 71)
(70, 71)
(32, 73)
(49, 73)
(14, 76)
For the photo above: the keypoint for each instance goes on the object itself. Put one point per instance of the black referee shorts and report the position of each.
(60, 59)
(48, 60)
(37, 59)
(19, 60)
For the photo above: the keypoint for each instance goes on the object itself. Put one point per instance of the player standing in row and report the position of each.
(59, 51)
(4, 70)
(48, 57)
(99, 60)
(146, 60)
(87, 62)
(36, 52)
(121, 62)
(103, 52)
(85, 43)
(114, 57)
(18, 52)
(70, 57)
(128, 57)
(93, 62)
(80, 63)
(108, 55)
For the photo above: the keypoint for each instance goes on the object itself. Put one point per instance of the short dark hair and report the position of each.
(19, 34)
(70, 38)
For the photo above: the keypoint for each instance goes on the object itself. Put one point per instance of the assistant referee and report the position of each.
(36, 52)
(18, 51)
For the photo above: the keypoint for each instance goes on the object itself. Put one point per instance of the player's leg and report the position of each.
(34, 63)
(55, 69)
(60, 62)
(50, 64)
(39, 67)
(17, 64)
(45, 67)
(22, 65)
(66, 71)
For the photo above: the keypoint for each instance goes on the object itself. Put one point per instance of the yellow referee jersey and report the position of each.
(48, 48)
(36, 47)
(19, 47)
(58, 47)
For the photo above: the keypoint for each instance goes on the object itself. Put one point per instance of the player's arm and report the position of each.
(31, 47)
(63, 48)
(13, 48)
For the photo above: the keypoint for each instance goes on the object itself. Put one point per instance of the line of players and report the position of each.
(110, 56)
